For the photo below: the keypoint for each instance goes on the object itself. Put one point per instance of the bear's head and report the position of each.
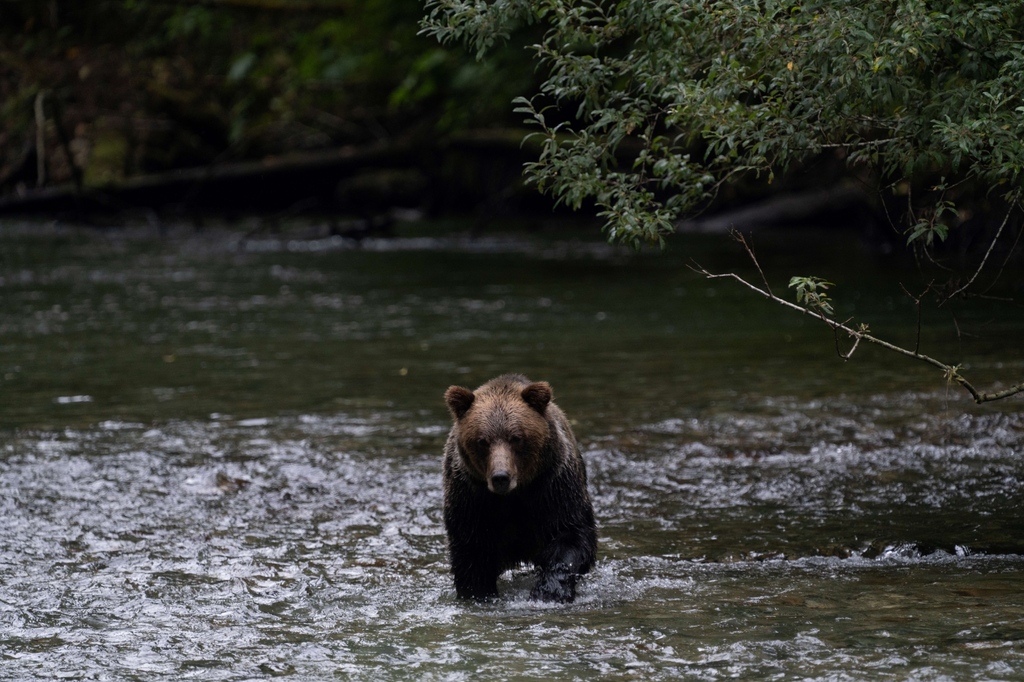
(502, 431)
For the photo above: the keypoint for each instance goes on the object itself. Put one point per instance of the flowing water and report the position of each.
(220, 460)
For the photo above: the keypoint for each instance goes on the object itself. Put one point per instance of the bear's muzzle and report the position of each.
(501, 469)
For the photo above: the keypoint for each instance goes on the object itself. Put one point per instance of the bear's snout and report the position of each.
(501, 481)
(501, 469)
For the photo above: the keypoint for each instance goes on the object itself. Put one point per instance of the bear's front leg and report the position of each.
(476, 586)
(558, 568)
(557, 585)
(473, 578)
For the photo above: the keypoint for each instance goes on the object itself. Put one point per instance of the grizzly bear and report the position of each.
(515, 490)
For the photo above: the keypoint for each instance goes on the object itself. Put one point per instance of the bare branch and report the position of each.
(855, 145)
(917, 302)
(835, 332)
(1009, 211)
(951, 372)
(885, 209)
(853, 348)
(738, 236)
(1009, 254)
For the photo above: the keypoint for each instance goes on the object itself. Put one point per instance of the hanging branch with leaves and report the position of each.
(648, 108)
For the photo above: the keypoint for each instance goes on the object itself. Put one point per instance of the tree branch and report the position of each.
(917, 303)
(738, 236)
(951, 372)
(835, 332)
(1013, 205)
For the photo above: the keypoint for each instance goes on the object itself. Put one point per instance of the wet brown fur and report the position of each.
(515, 489)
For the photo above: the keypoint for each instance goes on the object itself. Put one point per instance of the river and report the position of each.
(220, 460)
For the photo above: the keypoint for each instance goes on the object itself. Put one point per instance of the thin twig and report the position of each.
(917, 302)
(1009, 254)
(40, 138)
(885, 209)
(853, 348)
(738, 236)
(959, 334)
(1013, 205)
(835, 333)
(851, 145)
(910, 205)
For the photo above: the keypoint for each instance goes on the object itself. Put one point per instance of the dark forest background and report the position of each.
(282, 105)
(335, 106)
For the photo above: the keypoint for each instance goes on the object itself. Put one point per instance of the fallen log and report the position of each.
(259, 185)
(786, 210)
(462, 171)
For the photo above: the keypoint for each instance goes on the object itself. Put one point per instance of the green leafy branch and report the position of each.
(810, 292)
(709, 93)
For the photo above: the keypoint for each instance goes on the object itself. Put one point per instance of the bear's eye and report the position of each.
(481, 444)
(515, 440)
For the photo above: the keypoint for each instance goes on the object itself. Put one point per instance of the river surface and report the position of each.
(220, 460)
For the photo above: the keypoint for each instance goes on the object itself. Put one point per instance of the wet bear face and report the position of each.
(502, 432)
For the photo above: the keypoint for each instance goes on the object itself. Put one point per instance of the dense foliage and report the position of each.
(649, 106)
(149, 85)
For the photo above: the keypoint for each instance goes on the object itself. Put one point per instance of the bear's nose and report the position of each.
(500, 482)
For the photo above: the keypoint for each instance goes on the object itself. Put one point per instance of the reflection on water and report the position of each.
(223, 462)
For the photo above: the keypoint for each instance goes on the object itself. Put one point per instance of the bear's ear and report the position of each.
(459, 400)
(537, 395)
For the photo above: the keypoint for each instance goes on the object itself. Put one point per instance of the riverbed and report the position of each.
(220, 460)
